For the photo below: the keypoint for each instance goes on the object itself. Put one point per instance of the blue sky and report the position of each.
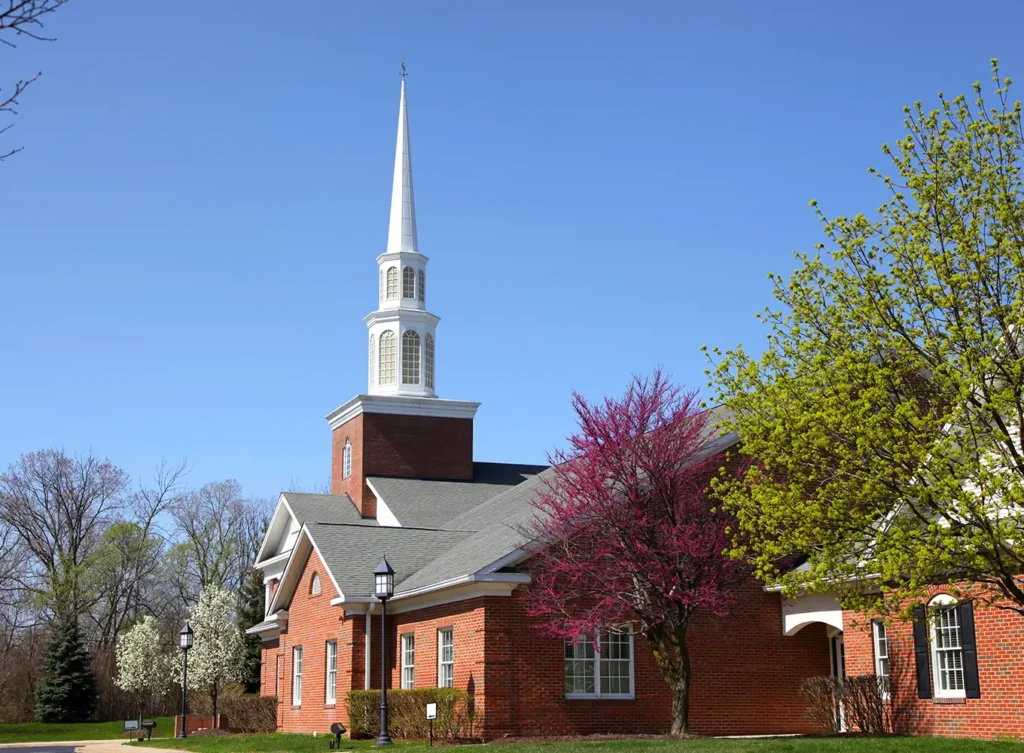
(189, 235)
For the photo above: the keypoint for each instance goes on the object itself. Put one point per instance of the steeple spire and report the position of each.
(402, 226)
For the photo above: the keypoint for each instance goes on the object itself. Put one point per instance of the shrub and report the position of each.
(865, 702)
(249, 713)
(407, 713)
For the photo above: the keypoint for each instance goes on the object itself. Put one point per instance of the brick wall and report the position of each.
(385, 444)
(1000, 638)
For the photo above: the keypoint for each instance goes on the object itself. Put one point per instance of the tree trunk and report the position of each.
(213, 697)
(679, 682)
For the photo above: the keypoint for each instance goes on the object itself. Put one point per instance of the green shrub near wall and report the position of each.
(407, 713)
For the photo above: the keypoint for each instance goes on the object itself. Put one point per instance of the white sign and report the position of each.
(431, 711)
(131, 724)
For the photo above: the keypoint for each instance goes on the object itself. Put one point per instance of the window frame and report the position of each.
(947, 604)
(331, 674)
(440, 658)
(346, 459)
(392, 284)
(411, 358)
(296, 675)
(597, 694)
(421, 288)
(387, 370)
(428, 361)
(409, 283)
(407, 646)
(880, 634)
(315, 586)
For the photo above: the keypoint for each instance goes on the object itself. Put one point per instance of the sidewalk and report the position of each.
(64, 744)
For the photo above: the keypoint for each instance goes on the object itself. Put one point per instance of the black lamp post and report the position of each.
(384, 589)
(186, 638)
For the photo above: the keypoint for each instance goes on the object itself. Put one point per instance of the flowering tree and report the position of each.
(218, 655)
(627, 534)
(142, 664)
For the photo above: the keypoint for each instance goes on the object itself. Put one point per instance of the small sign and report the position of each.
(131, 724)
(431, 711)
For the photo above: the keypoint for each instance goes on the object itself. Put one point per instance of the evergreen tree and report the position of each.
(67, 691)
(251, 611)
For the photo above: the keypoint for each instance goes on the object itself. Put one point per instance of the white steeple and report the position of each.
(402, 347)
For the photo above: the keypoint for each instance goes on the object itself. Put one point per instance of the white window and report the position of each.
(408, 283)
(423, 286)
(314, 585)
(330, 695)
(408, 661)
(428, 362)
(947, 651)
(386, 370)
(392, 283)
(373, 357)
(410, 357)
(881, 641)
(297, 676)
(445, 658)
(346, 460)
(604, 673)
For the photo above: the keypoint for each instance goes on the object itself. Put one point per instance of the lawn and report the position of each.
(35, 732)
(306, 744)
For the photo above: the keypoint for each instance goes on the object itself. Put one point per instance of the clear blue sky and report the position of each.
(189, 237)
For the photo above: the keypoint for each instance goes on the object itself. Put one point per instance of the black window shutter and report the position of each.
(972, 689)
(924, 675)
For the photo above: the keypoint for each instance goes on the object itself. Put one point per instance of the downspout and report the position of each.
(367, 632)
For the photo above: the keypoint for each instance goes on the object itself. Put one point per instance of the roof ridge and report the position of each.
(391, 528)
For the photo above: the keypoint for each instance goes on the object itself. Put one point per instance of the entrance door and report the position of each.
(837, 654)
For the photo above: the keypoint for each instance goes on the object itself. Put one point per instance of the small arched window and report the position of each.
(373, 357)
(392, 283)
(428, 362)
(408, 283)
(346, 460)
(382, 284)
(410, 357)
(423, 286)
(386, 369)
(314, 585)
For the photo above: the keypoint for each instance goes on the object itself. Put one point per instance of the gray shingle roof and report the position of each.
(325, 508)
(431, 504)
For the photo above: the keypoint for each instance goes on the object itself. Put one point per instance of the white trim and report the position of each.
(467, 591)
(878, 627)
(401, 405)
(403, 666)
(271, 623)
(450, 631)
(304, 535)
(385, 517)
(818, 607)
(297, 675)
(266, 537)
(597, 694)
(415, 256)
(516, 555)
(330, 689)
(947, 602)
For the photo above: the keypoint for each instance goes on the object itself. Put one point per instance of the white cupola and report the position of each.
(402, 348)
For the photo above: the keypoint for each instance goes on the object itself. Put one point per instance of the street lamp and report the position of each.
(186, 638)
(384, 589)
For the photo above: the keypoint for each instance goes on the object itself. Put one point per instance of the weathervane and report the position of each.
(404, 74)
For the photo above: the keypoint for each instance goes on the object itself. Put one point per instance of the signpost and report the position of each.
(431, 716)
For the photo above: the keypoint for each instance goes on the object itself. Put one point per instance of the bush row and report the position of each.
(407, 713)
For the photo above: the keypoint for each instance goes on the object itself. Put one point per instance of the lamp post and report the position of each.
(186, 639)
(384, 589)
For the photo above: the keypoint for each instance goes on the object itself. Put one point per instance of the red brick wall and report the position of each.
(746, 677)
(384, 444)
(1000, 640)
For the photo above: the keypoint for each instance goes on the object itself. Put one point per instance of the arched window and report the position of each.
(314, 585)
(423, 286)
(346, 460)
(408, 283)
(382, 284)
(386, 370)
(373, 357)
(428, 363)
(410, 357)
(392, 283)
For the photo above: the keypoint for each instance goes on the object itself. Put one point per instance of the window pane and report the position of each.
(579, 666)
(408, 661)
(408, 283)
(423, 287)
(392, 283)
(615, 659)
(410, 357)
(445, 658)
(428, 363)
(387, 357)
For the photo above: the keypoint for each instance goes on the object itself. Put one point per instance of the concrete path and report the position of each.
(39, 748)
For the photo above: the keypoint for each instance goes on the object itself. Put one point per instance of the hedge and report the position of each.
(407, 713)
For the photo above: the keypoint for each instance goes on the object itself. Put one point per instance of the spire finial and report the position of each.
(404, 72)
(402, 225)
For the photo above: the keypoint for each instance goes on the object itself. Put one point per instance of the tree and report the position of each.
(885, 412)
(67, 691)
(218, 655)
(252, 611)
(142, 663)
(627, 534)
(21, 18)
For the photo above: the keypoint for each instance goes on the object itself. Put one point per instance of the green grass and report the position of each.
(38, 732)
(279, 743)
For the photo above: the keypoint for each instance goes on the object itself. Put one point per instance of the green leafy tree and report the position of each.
(251, 611)
(884, 414)
(67, 691)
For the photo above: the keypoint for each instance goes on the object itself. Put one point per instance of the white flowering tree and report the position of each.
(217, 657)
(142, 664)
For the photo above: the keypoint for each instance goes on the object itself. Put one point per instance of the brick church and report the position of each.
(404, 483)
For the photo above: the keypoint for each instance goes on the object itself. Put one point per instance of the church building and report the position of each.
(405, 484)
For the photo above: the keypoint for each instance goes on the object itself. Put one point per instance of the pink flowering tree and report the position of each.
(626, 534)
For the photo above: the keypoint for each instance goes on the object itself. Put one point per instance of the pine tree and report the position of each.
(67, 691)
(250, 612)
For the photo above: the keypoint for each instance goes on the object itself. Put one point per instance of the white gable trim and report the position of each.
(281, 504)
(385, 517)
(292, 571)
